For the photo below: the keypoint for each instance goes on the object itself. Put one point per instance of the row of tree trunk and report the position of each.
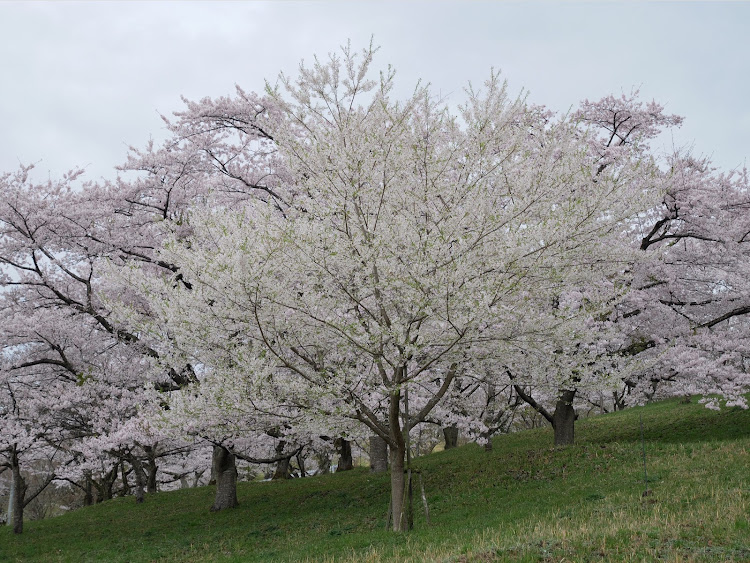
(224, 469)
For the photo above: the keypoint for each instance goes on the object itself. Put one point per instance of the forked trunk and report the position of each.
(104, 487)
(563, 419)
(378, 454)
(225, 471)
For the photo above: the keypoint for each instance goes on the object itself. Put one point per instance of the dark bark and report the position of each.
(151, 483)
(489, 420)
(212, 480)
(197, 477)
(139, 480)
(528, 399)
(225, 470)
(324, 464)
(450, 433)
(152, 469)
(399, 514)
(563, 419)
(618, 398)
(125, 484)
(283, 466)
(301, 463)
(88, 490)
(497, 417)
(344, 449)
(283, 470)
(104, 487)
(378, 454)
(19, 494)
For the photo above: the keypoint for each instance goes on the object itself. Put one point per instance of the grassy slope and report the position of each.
(525, 501)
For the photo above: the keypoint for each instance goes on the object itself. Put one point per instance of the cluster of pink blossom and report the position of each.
(323, 263)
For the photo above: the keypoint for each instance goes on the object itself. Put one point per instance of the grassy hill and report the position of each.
(524, 501)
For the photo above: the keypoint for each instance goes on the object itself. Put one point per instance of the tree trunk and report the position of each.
(11, 500)
(225, 470)
(283, 466)
(397, 443)
(197, 477)
(450, 434)
(283, 470)
(152, 468)
(151, 483)
(88, 489)
(399, 516)
(563, 419)
(109, 483)
(125, 484)
(19, 494)
(378, 454)
(104, 487)
(139, 479)
(618, 401)
(324, 464)
(301, 463)
(344, 449)
(491, 418)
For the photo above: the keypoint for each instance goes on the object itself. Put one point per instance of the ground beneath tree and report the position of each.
(524, 501)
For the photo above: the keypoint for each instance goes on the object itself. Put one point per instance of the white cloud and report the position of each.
(82, 80)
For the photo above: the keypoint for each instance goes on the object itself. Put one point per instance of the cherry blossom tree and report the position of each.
(325, 262)
(589, 346)
(57, 329)
(29, 442)
(694, 302)
(410, 240)
(54, 238)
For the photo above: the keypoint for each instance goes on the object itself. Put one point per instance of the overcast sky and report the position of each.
(80, 81)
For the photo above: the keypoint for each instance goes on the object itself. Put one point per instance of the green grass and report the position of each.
(524, 501)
